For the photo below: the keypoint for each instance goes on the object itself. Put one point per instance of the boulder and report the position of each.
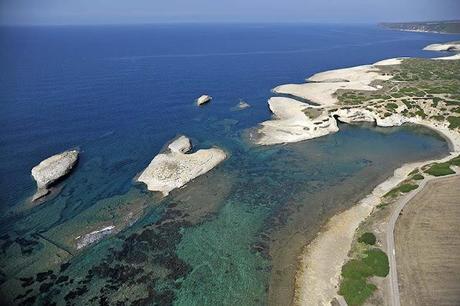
(203, 99)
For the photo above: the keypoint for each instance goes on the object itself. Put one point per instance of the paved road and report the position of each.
(394, 298)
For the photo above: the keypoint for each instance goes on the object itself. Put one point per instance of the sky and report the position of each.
(49, 12)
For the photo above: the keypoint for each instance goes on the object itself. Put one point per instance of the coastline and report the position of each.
(336, 237)
(319, 265)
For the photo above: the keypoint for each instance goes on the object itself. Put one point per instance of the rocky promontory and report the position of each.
(294, 121)
(50, 170)
(175, 167)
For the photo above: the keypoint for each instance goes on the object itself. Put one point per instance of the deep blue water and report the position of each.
(120, 93)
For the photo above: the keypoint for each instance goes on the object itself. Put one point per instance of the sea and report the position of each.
(118, 94)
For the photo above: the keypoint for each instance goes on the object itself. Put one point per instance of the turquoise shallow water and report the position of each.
(229, 237)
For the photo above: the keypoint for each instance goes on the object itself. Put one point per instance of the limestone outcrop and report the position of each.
(294, 121)
(174, 168)
(203, 99)
(52, 169)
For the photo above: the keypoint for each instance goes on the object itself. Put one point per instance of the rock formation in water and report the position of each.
(203, 99)
(94, 236)
(50, 170)
(174, 168)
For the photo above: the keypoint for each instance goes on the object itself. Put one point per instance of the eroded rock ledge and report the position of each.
(294, 121)
(52, 169)
(175, 167)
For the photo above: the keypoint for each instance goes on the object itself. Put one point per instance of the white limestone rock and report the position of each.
(321, 88)
(52, 169)
(354, 115)
(173, 169)
(94, 236)
(294, 121)
(203, 99)
(181, 145)
(242, 105)
(452, 47)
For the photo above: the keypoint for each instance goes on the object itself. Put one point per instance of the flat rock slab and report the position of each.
(294, 121)
(51, 170)
(173, 169)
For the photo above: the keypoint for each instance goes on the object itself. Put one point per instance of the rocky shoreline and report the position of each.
(320, 264)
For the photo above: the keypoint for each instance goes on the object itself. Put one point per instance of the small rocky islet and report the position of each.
(51, 170)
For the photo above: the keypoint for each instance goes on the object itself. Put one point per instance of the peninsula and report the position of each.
(444, 27)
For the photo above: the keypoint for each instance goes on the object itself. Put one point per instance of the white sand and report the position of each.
(449, 58)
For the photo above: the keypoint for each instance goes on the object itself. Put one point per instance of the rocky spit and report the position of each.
(175, 167)
(203, 99)
(52, 169)
(451, 47)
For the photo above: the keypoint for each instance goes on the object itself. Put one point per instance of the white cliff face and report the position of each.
(354, 115)
(294, 121)
(203, 99)
(173, 169)
(52, 169)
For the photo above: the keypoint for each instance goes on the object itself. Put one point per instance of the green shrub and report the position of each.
(378, 261)
(440, 169)
(418, 177)
(356, 291)
(455, 161)
(454, 122)
(356, 268)
(354, 286)
(367, 238)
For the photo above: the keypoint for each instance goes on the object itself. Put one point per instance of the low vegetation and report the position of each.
(418, 177)
(368, 238)
(440, 169)
(355, 287)
(403, 188)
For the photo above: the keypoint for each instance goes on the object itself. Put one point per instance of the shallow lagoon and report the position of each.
(229, 237)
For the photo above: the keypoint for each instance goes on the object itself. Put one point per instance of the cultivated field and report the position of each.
(428, 245)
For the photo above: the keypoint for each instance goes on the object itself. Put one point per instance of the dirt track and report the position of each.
(427, 238)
